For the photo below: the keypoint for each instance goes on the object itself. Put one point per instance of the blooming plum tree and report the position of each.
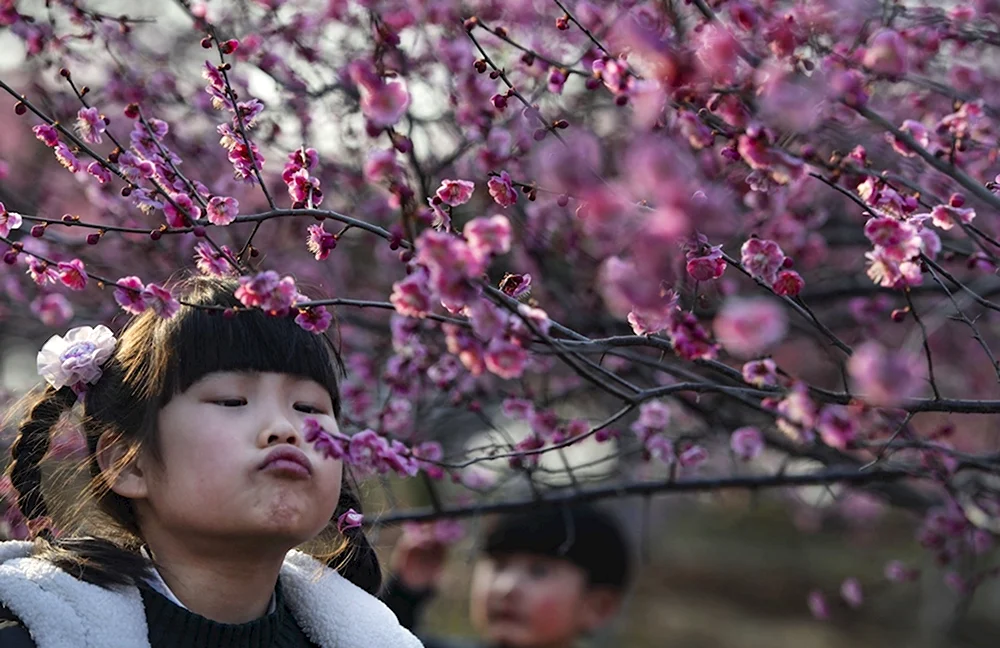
(715, 236)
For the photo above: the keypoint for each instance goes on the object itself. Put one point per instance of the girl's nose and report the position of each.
(505, 584)
(280, 429)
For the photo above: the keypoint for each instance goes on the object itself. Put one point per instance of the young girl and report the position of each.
(204, 487)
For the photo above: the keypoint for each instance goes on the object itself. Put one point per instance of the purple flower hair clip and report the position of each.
(76, 359)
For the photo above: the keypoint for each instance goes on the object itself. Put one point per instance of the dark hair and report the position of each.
(155, 359)
(578, 533)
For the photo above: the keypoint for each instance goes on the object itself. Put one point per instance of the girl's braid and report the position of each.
(30, 446)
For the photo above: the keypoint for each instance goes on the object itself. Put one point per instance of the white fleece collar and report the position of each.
(63, 612)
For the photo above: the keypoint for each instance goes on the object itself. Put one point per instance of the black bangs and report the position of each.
(197, 342)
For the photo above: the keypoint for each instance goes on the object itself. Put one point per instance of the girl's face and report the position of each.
(235, 466)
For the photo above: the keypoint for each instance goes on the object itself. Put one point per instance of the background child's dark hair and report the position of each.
(154, 360)
(578, 533)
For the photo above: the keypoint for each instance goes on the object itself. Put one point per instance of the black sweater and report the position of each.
(171, 626)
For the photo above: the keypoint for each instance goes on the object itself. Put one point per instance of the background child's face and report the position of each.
(213, 439)
(530, 601)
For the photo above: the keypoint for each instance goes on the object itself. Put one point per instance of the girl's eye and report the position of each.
(231, 402)
(306, 408)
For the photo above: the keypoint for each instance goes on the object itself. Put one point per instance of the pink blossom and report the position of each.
(53, 309)
(49, 135)
(660, 447)
(267, 291)
(517, 408)
(385, 103)
(889, 273)
(798, 413)
(222, 210)
(654, 417)
(315, 319)
(66, 158)
(897, 572)
(488, 320)
(516, 285)
(427, 454)
(837, 427)
(488, 236)
(72, 274)
(746, 443)
(331, 445)
(41, 272)
(100, 173)
(557, 78)
(917, 131)
(244, 158)
(788, 284)
(708, 266)
(502, 189)
(411, 296)
(761, 373)
(646, 321)
(945, 216)
(689, 338)
(883, 377)
(505, 359)
(128, 294)
(304, 189)
(320, 242)
(692, 457)
(90, 124)
(214, 263)
(382, 166)
(818, 606)
(850, 591)
(749, 326)
(455, 192)
(536, 317)
(350, 519)
(9, 221)
(897, 239)
(887, 54)
(183, 213)
(762, 259)
(160, 300)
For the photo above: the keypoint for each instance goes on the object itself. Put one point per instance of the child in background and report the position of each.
(545, 578)
(205, 487)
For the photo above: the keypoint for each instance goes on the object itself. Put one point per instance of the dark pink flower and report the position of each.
(128, 294)
(746, 443)
(160, 301)
(66, 157)
(883, 377)
(320, 242)
(762, 259)
(222, 210)
(488, 236)
(789, 283)
(351, 519)
(181, 210)
(945, 216)
(818, 605)
(8, 221)
(42, 273)
(850, 591)
(211, 262)
(455, 192)
(505, 359)
(502, 189)
(72, 274)
(654, 417)
(384, 104)
(90, 124)
(708, 266)
(411, 296)
(887, 54)
(689, 339)
(52, 310)
(315, 319)
(49, 135)
(761, 372)
(99, 172)
(382, 166)
(331, 445)
(749, 326)
(836, 426)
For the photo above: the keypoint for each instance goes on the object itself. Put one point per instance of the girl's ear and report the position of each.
(120, 465)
